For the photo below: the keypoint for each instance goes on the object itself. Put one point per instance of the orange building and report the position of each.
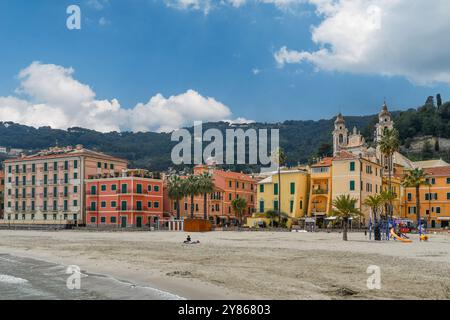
(2, 192)
(228, 186)
(130, 200)
(434, 199)
(47, 188)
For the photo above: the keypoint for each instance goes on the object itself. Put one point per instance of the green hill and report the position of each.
(301, 140)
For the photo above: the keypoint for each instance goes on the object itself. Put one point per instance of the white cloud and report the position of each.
(207, 5)
(98, 4)
(383, 37)
(49, 96)
(103, 22)
(256, 71)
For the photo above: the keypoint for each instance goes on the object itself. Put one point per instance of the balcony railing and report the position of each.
(320, 191)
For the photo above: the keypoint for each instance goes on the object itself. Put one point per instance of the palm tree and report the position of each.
(239, 206)
(206, 186)
(177, 190)
(192, 190)
(414, 179)
(387, 197)
(344, 208)
(389, 144)
(375, 203)
(280, 160)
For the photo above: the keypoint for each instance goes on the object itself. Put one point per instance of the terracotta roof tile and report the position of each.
(438, 171)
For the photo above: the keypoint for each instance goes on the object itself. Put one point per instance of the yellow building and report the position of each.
(320, 196)
(293, 190)
(434, 199)
(356, 176)
(398, 191)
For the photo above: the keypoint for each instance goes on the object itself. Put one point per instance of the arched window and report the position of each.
(341, 138)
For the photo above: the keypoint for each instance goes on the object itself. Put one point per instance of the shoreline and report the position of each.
(247, 266)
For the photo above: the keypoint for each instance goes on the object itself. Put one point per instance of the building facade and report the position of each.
(434, 199)
(227, 187)
(48, 187)
(290, 194)
(321, 192)
(131, 200)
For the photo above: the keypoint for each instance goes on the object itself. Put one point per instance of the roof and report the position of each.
(430, 164)
(69, 151)
(266, 180)
(438, 171)
(233, 175)
(344, 155)
(403, 161)
(325, 162)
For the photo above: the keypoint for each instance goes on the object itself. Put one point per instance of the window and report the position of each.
(352, 166)
(237, 185)
(111, 166)
(438, 210)
(275, 189)
(411, 210)
(66, 191)
(261, 206)
(292, 187)
(66, 178)
(55, 179)
(75, 203)
(105, 166)
(75, 175)
(229, 184)
(261, 188)
(301, 204)
(409, 196)
(66, 205)
(66, 165)
(103, 187)
(93, 190)
(149, 188)
(103, 220)
(75, 164)
(113, 187)
(93, 206)
(139, 188)
(156, 188)
(448, 180)
(45, 167)
(55, 165)
(33, 167)
(45, 205)
(45, 179)
(9, 169)
(139, 205)
(75, 189)
(448, 195)
(93, 220)
(124, 188)
(99, 165)
(124, 206)
(291, 207)
(103, 204)
(149, 205)
(113, 220)
(156, 205)
(352, 185)
(33, 180)
(113, 204)
(229, 196)
(275, 205)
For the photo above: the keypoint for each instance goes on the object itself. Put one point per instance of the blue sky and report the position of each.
(133, 50)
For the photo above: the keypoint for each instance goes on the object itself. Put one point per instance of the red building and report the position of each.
(133, 200)
(228, 186)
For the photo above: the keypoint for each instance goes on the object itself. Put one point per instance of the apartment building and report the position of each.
(358, 177)
(320, 197)
(434, 199)
(132, 199)
(289, 193)
(48, 187)
(228, 186)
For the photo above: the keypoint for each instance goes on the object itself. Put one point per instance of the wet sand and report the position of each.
(248, 265)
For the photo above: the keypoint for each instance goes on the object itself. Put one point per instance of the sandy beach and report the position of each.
(248, 265)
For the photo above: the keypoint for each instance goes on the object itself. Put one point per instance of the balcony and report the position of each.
(320, 191)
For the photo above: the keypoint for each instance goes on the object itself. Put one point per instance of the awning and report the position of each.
(443, 219)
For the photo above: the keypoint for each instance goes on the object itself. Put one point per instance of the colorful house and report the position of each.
(228, 186)
(358, 177)
(131, 199)
(47, 188)
(289, 194)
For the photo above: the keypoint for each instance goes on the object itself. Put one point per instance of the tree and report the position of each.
(344, 208)
(192, 190)
(375, 203)
(272, 214)
(390, 144)
(280, 160)
(206, 186)
(239, 206)
(414, 179)
(177, 190)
